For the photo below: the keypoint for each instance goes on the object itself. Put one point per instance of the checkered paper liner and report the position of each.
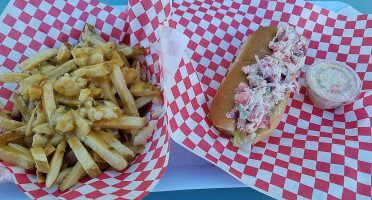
(313, 153)
(30, 26)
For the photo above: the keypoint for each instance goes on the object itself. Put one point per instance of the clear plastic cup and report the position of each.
(322, 74)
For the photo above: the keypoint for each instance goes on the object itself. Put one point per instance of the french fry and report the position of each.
(140, 88)
(39, 141)
(34, 71)
(20, 148)
(143, 74)
(83, 157)
(121, 123)
(40, 177)
(107, 88)
(97, 70)
(49, 104)
(61, 70)
(129, 51)
(49, 149)
(12, 77)
(34, 92)
(31, 106)
(109, 104)
(111, 55)
(4, 113)
(10, 124)
(108, 154)
(116, 62)
(80, 72)
(60, 101)
(55, 164)
(91, 35)
(116, 144)
(117, 54)
(42, 129)
(81, 55)
(44, 70)
(62, 175)
(66, 86)
(129, 74)
(141, 137)
(142, 101)
(40, 119)
(108, 47)
(35, 60)
(124, 94)
(136, 149)
(72, 102)
(22, 106)
(40, 159)
(12, 135)
(73, 177)
(35, 78)
(82, 44)
(16, 157)
(56, 139)
(82, 124)
(24, 93)
(30, 123)
(136, 65)
(15, 111)
(156, 112)
(64, 53)
(27, 141)
(45, 63)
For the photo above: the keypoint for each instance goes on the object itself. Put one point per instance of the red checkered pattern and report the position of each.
(146, 18)
(313, 153)
(30, 26)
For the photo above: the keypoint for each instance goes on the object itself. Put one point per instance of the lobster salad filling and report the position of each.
(268, 82)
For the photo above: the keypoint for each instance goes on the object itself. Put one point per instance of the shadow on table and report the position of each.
(209, 194)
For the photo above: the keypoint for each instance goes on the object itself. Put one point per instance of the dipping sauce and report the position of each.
(332, 84)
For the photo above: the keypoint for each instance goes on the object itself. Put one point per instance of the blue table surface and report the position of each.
(364, 6)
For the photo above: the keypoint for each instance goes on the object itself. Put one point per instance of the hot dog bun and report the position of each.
(223, 102)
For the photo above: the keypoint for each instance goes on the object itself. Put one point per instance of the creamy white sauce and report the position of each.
(333, 81)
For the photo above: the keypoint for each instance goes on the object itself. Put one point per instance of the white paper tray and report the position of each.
(186, 170)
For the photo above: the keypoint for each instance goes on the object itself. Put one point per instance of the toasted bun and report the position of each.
(223, 102)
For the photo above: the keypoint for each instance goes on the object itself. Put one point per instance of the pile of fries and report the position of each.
(76, 111)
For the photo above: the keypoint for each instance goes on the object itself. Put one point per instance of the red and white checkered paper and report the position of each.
(27, 27)
(313, 153)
